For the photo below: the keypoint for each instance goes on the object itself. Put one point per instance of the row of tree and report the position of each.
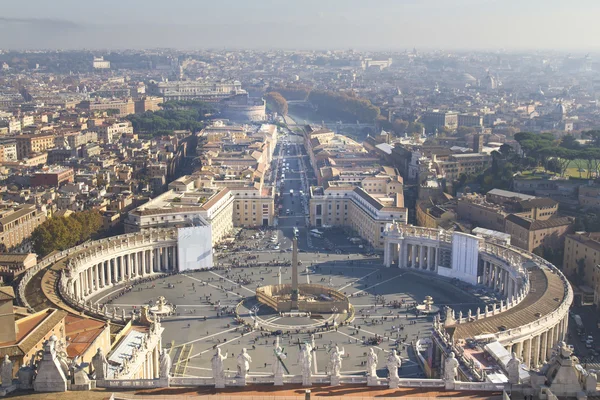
(61, 233)
(277, 102)
(295, 92)
(543, 150)
(176, 115)
(345, 105)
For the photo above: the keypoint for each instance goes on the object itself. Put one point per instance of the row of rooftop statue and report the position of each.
(305, 361)
(50, 371)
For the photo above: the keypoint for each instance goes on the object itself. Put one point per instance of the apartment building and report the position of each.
(458, 164)
(582, 246)
(28, 145)
(53, 177)
(530, 234)
(342, 204)
(17, 225)
(121, 107)
(433, 120)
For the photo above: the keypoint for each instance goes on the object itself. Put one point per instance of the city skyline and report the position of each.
(393, 25)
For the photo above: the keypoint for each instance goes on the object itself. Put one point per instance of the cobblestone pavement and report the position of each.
(200, 322)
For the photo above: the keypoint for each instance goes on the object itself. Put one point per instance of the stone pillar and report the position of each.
(422, 257)
(402, 254)
(143, 256)
(386, 254)
(101, 274)
(544, 348)
(175, 259)
(166, 258)
(549, 342)
(430, 258)
(519, 349)
(437, 258)
(109, 273)
(413, 252)
(79, 285)
(527, 351)
(155, 362)
(123, 266)
(536, 351)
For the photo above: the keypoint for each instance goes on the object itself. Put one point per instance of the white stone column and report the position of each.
(519, 349)
(437, 257)
(430, 258)
(402, 254)
(527, 352)
(122, 265)
(544, 348)
(109, 267)
(166, 258)
(536, 349)
(80, 285)
(88, 277)
(549, 342)
(413, 255)
(143, 255)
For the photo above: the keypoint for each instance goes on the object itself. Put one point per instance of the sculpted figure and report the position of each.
(305, 361)
(372, 363)
(335, 361)
(513, 369)
(100, 364)
(243, 363)
(217, 365)
(278, 368)
(393, 362)
(165, 364)
(6, 371)
(450, 368)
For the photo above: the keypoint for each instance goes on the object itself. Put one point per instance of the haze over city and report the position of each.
(307, 24)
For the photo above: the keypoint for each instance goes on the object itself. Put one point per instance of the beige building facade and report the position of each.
(353, 207)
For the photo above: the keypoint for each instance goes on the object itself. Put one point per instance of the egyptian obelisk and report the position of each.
(294, 274)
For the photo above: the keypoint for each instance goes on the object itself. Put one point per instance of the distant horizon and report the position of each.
(388, 25)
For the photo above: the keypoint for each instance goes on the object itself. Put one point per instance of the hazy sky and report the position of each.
(317, 24)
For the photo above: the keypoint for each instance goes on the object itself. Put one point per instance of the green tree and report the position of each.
(277, 102)
(61, 233)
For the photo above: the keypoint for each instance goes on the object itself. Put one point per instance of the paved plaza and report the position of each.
(205, 315)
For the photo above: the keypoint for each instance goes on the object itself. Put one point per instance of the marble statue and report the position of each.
(372, 363)
(165, 364)
(513, 367)
(591, 381)
(100, 364)
(392, 363)
(218, 368)
(25, 377)
(6, 372)
(278, 368)
(243, 363)
(305, 361)
(450, 368)
(335, 361)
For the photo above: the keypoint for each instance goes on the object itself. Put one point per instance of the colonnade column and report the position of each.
(437, 258)
(544, 352)
(527, 352)
(109, 270)
(166, 258)
(430, 258)
(413, 255)
(421, 256)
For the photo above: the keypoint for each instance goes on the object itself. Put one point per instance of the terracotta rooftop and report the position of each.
(82, 333)
(30, 330)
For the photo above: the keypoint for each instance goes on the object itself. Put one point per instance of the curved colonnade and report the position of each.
(94, 267)
(528, 322)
